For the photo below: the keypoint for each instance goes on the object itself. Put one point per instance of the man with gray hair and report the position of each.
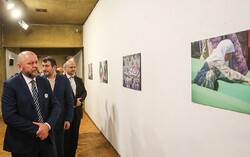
(79, 95)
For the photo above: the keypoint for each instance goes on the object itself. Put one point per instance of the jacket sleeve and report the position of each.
(12, 116)
(69, 102)
(83, 93)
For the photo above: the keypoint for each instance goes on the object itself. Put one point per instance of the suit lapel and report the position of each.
(77, 86)
(40, 92)
(26, 89)
(56, 84)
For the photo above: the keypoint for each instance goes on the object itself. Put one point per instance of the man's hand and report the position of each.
(78, 102)
(43, 130)
(66, 125)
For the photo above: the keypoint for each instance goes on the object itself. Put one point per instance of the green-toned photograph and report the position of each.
(220, 71)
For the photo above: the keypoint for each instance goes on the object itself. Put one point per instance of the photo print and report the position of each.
(90, 71)
(103, 71)
(132, 71)
(220, 71)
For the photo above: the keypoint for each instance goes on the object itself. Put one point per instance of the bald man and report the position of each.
(79, 95)
(59, 70)
(30, 111)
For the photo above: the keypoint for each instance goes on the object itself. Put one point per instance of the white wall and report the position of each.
(11, 70)
(78, 60)
(161, 120)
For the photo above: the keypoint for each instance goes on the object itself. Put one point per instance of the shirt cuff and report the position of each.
(48, 125)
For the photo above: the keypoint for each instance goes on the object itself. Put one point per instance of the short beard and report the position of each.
(33, 74)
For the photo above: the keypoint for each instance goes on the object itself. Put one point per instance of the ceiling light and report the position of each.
(23, 24)
(16, 13)
(10, 5)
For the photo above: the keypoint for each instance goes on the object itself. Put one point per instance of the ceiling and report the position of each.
(49, 12)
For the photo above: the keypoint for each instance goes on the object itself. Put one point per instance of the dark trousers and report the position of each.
(59, 140)
(71, 137)
(42, 149)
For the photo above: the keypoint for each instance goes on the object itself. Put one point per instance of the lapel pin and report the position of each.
(46, 95)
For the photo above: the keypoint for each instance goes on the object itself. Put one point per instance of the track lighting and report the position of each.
(23, 24)
(10, 5)
(15, 13)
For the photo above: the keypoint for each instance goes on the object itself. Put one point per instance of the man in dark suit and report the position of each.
(79, 94)
(62, 89)
(30, 110)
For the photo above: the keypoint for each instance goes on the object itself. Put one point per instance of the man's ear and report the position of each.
(19, 66)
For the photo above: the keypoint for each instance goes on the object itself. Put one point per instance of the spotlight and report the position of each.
(16, 13)
(23, 24)
(9, 4)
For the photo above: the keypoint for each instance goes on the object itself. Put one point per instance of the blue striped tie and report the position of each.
(36, 100)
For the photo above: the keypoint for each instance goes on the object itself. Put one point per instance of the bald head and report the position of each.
(59, 71)
(70, 67)
(69, 62)
(28, 63)
(24, 56)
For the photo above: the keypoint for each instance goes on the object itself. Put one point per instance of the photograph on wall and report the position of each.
(132, 71)
(220, 71)
(90, 71)
(103, 71)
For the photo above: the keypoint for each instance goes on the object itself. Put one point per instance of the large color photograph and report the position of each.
(132, 71)
(220, 71)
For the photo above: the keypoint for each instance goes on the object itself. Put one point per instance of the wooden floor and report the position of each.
(91, 141)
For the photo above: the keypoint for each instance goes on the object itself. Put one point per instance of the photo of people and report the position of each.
(90, 71)
(220, 72)
(132, 71)
(103, 71)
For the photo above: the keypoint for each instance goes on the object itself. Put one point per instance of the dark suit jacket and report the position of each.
(63, 92)
(80, 93)
(19, 112)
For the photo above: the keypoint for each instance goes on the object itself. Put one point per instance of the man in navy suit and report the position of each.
(62, 89)
(79, 94)
(30, 110)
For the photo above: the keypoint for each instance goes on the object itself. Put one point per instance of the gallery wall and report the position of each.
(160, 120)
(79, 66)
(11, 69)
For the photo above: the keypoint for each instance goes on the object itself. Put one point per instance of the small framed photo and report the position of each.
(132, 71)
(90, 71)
(103, 71)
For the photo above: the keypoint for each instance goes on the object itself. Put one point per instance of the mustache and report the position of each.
(36, 70)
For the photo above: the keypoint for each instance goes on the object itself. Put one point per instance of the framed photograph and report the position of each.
(90, 71)
(132, 71)
(103, 71)
(220, 71)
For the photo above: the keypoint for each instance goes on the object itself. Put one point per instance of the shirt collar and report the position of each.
(51, 79)
(69, 76)
(27, 79)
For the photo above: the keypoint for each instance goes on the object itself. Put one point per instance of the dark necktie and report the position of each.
(36, 100)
